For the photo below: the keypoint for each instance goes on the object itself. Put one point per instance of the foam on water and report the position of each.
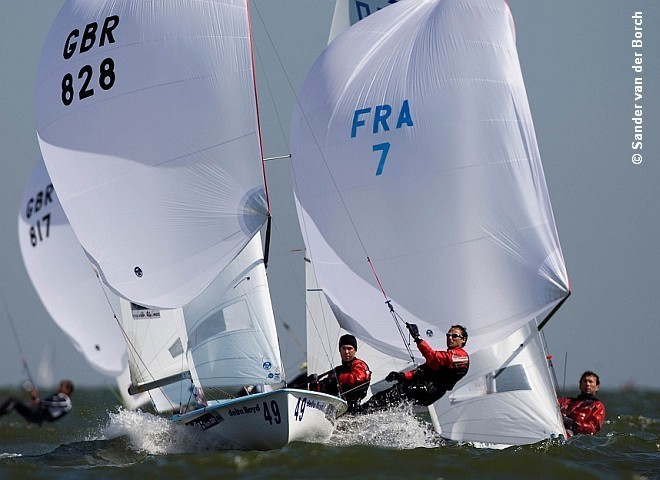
(397, 428)
(151, 433)
(10, 455)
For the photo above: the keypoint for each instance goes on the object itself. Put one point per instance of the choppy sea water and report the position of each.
(102, 441)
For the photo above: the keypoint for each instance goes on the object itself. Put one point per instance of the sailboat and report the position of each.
(422, 199)
(147, 122)
(66, 284)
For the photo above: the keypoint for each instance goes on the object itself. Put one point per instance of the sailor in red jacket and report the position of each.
(350, 380)
(431, 380)
(585, 413)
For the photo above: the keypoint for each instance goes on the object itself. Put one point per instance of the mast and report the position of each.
(256, 102)
(261, 147)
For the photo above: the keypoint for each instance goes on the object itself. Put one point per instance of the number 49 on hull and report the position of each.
(266, 421)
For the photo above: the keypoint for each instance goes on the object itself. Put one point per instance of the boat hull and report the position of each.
(266, 421)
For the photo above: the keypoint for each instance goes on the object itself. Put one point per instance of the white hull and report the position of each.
(267, 421)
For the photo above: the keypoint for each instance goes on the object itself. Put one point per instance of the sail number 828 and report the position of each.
(80, 42)
(106, 80)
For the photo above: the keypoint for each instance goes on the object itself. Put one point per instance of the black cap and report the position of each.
(348, 339)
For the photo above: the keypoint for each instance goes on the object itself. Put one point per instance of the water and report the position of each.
(101, 441)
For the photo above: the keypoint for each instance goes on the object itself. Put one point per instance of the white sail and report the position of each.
(65, 280)
(417, 170)
(153, 107)
(224, 339)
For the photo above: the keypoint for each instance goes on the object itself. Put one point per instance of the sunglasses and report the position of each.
(453, 335)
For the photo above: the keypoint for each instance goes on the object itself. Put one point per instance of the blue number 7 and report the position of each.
(384, 148)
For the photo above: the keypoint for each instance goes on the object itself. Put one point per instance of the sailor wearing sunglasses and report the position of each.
(431, 380)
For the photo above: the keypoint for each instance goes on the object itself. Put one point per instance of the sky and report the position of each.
(577, 60)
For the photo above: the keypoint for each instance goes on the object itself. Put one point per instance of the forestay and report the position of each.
(417, 169)
(146, 118)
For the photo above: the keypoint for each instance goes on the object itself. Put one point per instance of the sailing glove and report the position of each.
(570, 424)
(414, 331)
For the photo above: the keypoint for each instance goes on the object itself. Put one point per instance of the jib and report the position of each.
(89, 36)
(41, 199)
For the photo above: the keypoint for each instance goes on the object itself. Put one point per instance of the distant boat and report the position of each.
(419, 186)
(66, 284)
(147, 122)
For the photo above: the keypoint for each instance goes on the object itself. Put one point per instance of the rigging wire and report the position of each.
(563, 387)
(398, 320)
(31, 385)
(325, 334)
(271, 95)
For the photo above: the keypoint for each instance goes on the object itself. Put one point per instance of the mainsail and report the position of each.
(232, 340)
(419, 181)
(146, 118)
